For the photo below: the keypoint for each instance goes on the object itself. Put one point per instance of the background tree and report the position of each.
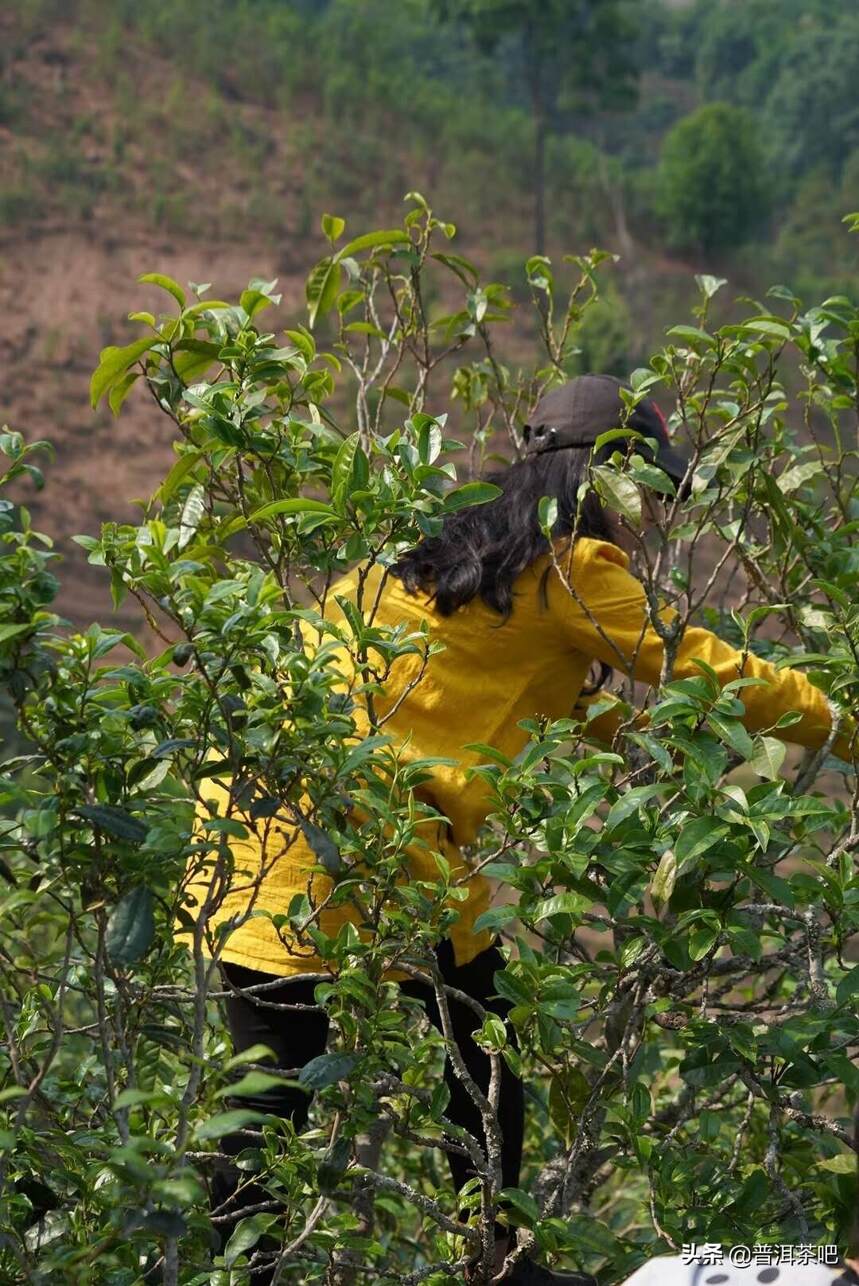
(816, 122)
(739, 46)
(87, 84)
(572, 57)
(713, 190)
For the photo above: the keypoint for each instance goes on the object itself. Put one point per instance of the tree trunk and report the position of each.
(534, 63)
(368, 1148)
(539, 181)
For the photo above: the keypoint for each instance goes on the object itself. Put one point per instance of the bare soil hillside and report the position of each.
(66, 284)
(102, 464)
(109, 169)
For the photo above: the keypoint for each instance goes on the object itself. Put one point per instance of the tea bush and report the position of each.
(683, 913)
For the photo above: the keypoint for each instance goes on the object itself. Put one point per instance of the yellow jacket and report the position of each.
(490, 675)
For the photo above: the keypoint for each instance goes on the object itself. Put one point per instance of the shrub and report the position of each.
(685, 900)
(605, 337)
(713, 187)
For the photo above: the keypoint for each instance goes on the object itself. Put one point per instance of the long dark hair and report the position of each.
(482, 549)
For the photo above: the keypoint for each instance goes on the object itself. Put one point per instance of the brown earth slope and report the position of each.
(66, 285)
(109, 170)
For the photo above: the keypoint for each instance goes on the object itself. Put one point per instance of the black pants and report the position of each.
(297, 1036)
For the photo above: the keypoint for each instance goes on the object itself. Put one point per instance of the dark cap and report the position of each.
(575, 414)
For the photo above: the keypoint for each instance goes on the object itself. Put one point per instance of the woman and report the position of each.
(516, 644)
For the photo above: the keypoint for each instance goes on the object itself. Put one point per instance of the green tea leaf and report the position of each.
(228, 1122)
(247, 1233)
(252, 1083)
(166, 283)
(341, 470)
(326, 1069)
(13, 631)
(698, 837)
(523, 1205)
(113, 364)
(568, 1093)
(619, 492)
(472, 493)
(848, 987)
(333, 227)
(115, 821)
(323, 846)
(131, 927)
(768, 757)
(192, 513)
(295, 505)
(664, 878)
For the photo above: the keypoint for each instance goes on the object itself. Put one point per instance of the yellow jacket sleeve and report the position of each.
(606, 617)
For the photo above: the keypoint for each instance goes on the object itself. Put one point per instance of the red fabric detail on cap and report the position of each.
(662, 419)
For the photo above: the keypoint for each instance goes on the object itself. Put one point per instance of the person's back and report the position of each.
(519, 636)
(520, 624)
(490, 673)
(494, 672)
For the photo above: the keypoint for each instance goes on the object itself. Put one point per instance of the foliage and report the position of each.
(713, 191)
(814, 250)
(569, 58)
(741, 46)
(546, 117)
(605, 337)
(581, 53)
(685, 905)
(813, 120)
